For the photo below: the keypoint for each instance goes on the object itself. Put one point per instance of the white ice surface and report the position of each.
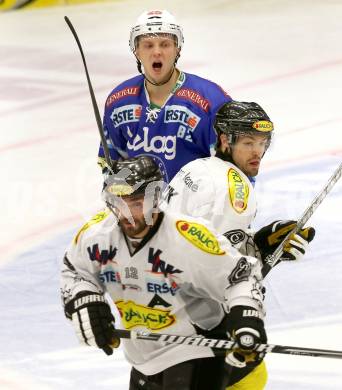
(286, 55)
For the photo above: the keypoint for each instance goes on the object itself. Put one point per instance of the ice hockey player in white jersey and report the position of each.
(165, 273)
(220, 189)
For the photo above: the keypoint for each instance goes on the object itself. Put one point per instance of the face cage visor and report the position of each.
(120, 199)
(234, 129)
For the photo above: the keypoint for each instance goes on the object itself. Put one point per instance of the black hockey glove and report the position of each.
(269, 237)
(247, 328)
(93, 321)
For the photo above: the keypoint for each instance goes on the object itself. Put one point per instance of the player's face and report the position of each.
(157, 54)
(248, 151)
(131, 216)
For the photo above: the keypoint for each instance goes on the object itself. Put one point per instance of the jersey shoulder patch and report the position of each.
(93, 221)
(199, 236)
(238, 190)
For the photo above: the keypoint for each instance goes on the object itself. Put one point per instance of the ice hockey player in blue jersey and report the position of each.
(163, 111)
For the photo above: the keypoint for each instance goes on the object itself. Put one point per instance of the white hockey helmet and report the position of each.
(154, 22)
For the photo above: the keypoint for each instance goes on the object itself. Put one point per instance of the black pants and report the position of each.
(197, 374)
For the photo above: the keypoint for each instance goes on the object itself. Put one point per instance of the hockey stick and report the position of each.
(198, 341)
(92, 95)
(272, 260)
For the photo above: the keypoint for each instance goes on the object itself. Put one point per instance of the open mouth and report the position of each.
(157, 65)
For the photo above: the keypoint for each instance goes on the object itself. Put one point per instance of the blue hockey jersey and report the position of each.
(175, 134)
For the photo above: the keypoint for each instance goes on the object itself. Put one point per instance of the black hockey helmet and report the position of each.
(242, 118)
(137, 176)
(132, 176)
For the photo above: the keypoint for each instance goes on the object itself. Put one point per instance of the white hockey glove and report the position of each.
(93, 321)
(247, 328)
(269, 237)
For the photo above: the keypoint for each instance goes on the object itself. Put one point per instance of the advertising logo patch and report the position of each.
(159, 265)
(235, 236)
(159, 144)
(110, 276)
(115, 96)
(195, 97)
(199, 236)
(102, 256)
(133, 315)
(158, 287)
(238, 191)
(126, 114)
(241, 272)
(263, 126)
(181, 114)
(96, 219)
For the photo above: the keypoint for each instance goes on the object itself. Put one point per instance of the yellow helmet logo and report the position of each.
(120, 189)
(263, 126)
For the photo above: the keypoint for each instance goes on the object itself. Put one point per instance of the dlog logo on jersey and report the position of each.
(115, 96)
(181, 115)
(126, 114)
(199, 236)
(159, 144)
(96, 219)
(133, 314)
(238, 191)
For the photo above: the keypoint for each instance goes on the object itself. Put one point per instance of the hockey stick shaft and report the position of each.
(92, 95)
(272, 260)
(198, 341)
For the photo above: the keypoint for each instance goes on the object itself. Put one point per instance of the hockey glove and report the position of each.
(269, 237)
(93, 321)
(247, 328)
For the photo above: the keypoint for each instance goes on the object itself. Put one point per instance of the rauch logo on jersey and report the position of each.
(158, 144)
(115, 96)
(133, 315)
(126, 114)
(199, 236)
(238, 191)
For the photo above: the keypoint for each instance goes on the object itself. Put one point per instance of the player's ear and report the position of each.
(224, 143)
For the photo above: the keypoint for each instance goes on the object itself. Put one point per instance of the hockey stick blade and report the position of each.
(217, 344)
(92, 95)
(273, 259)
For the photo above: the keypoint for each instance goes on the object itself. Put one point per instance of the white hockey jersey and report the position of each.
(182, 275)
(217, 191)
